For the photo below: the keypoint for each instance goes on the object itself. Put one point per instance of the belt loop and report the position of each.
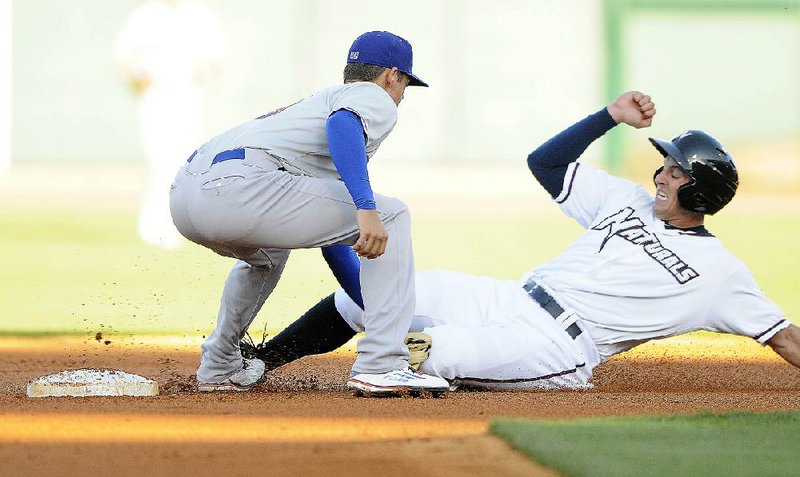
(228, 155)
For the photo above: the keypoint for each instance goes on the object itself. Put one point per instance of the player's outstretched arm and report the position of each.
(633, 108)
(786, 343)
(549, 162)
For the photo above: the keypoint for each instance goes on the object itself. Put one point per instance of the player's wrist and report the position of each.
(366, 204)
(615, 112)
(367, 212)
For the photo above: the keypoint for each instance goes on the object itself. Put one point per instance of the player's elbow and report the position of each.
(551, 178)
(534, 163)
(537, 167)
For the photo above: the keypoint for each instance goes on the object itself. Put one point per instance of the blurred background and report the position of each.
(505, 75)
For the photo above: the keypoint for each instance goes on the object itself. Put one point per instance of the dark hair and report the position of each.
(361, 72)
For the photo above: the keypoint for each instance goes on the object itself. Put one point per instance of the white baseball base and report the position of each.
(92, 382)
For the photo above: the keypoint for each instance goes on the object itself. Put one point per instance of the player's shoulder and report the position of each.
(365, 92)
(584, 179)
(363, 87)
(707, 252)
(725, 255)
(590, 173)
(369, 101)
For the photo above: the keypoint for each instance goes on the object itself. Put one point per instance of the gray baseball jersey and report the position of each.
(296, 136)
(268, 186)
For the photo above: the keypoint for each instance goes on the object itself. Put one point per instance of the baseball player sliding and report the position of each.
(297, 178)
(645, 268)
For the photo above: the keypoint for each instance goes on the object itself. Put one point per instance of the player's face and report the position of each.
(397, 83)
(666, 206)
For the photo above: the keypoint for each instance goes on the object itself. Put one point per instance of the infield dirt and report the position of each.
(302, 421)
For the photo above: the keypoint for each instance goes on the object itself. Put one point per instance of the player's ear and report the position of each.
(655, 174)
(383, 79)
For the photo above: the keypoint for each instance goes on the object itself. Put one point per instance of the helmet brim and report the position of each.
(667, 148)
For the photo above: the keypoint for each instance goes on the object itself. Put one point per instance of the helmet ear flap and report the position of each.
(700, 200)
(658, 171)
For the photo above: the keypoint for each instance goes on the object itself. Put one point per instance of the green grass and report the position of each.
(79, 272)
(82, 271)
(738, 444)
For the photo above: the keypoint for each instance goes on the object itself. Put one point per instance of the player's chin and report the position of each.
(660, 211)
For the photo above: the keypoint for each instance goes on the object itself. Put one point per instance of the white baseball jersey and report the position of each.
(630, 278)
(296, 134)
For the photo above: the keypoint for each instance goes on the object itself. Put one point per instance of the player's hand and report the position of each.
(634, 109)
(372, 237)
(139, 85)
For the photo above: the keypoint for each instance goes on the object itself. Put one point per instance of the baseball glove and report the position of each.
(419, 345)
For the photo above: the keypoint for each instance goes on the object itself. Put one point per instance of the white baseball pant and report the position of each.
(489, 333)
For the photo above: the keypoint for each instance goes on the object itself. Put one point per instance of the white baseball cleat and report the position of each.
(242, 380)
(396, 383)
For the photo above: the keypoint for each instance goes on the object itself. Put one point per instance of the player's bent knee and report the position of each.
(399, 217)
(391, 207)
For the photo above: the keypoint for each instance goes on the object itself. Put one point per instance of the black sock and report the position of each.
(320, 330)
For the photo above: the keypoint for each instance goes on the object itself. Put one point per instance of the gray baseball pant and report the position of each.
(251, 210)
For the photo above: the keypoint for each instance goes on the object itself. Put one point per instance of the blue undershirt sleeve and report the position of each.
(345, 266)
(348, 151)
(549, 162)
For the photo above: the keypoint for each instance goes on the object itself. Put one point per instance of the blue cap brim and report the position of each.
(415, 81)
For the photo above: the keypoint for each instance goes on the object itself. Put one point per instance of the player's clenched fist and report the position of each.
(634, 109)
(372, 237)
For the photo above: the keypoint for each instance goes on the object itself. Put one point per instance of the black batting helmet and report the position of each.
(711, 167)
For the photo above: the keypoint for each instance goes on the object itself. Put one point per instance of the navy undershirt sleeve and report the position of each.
(345, 266)
(348, 151)
(549, 162)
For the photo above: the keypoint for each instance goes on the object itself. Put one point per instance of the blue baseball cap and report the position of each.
(382, 48)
